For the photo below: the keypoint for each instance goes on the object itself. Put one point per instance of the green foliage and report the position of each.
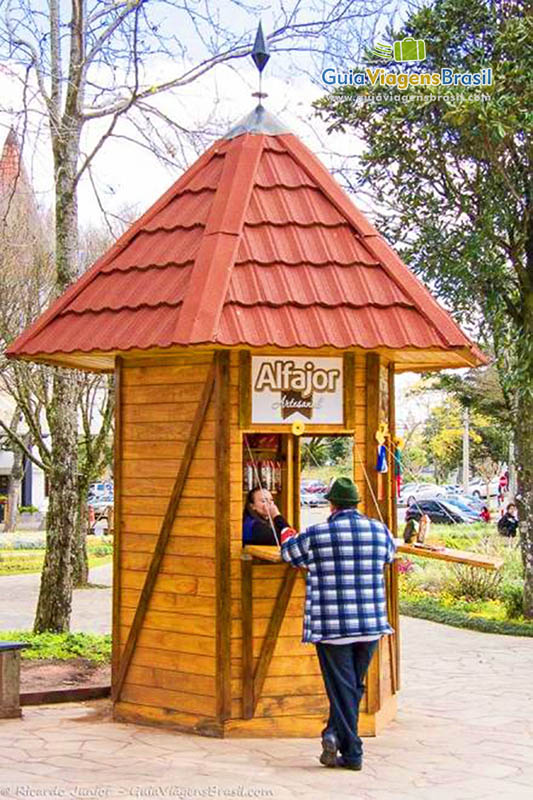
(320, 451)
(513, 599)
(473, 583)
(455, 169)
(430, 608)
(28, 509)
(63, 646)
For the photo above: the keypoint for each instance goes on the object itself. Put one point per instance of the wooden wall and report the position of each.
(186, 665)
(173, 672)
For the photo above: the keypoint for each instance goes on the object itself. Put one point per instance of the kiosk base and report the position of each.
(298, 726)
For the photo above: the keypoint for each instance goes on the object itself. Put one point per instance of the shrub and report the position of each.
(63, 646)
(28, 509)
(512, 594)
(473, 583)
(429, 608)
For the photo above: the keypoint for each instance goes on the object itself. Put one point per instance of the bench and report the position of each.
(10, 679)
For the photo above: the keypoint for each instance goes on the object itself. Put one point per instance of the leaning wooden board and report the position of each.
(448, 554)
(271, 553)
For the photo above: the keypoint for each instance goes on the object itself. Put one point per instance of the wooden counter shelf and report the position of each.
(272, 553)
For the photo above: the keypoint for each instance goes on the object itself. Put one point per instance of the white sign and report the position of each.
(297, 388)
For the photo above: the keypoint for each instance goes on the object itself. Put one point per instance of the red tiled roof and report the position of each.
(9, 162)
(255, 245)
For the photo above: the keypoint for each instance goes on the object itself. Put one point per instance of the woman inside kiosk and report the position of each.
(262, 522)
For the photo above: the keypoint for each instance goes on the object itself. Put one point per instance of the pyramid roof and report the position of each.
(256, 245)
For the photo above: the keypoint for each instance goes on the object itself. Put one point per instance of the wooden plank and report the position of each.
(168, 698)
(166, 468)
(285, 666)
(142, 713)
(264, 552)
(117, 531)
(190, 507)
(245, 388)
(292, 705)
(165, 583)
(177, 545)
(176, 642)
(160, 678)
(448, 554)
(247, 663)
(272, 632)
(290, 645)
(162, 487)
(223, 534)
(168, 521)
(170, 601)
(372, 422)
(173, 621)
(168, 374)
(194, 664)
(183, 526)
(171, 565)
(393, 517)
(349, 390)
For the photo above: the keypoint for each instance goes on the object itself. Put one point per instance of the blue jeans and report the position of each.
(344, 667)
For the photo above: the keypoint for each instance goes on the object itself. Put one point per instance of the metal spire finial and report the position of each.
(260, 52)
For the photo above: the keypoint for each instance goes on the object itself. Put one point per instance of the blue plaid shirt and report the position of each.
(345, 589)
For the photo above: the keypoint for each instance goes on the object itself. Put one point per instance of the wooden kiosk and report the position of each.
(252, 295)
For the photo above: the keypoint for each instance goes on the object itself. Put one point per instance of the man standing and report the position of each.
(345, 609)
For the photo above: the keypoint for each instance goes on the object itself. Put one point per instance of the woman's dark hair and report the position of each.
(510, 505)
(249, 500)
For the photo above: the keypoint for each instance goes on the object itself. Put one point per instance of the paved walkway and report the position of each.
(91, 608)
(464, 732)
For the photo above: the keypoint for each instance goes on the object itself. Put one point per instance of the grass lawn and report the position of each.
(23, 557)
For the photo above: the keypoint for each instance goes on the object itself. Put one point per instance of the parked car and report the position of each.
(420, 491)
(465, 507)
(314, 486)
(471, 500)
(478, 487)
(438, 510)
(312, 499)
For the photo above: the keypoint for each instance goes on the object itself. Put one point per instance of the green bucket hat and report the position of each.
(343, 492)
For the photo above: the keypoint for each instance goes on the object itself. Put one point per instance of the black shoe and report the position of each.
(355, 765)
(329, 749)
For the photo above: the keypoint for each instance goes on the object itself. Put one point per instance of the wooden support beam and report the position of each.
(349, 390)
(372, 422)
(247, 637)
(393, 521)
(117, 532)
(222, 531)
(245, 388)
(272, 632)
(164, 533)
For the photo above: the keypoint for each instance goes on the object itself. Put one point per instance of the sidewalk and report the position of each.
(464, 732)
(91, 608)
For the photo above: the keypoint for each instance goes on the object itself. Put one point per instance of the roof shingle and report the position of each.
(255, 245)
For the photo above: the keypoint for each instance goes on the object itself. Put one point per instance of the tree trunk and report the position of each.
(55, 596)
(524, 435)
(524, 497)
(13, 491)
(80, 561)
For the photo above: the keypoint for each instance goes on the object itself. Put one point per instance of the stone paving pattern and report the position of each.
(463, 732)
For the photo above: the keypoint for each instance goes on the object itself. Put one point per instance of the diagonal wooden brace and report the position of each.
(164, 533)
